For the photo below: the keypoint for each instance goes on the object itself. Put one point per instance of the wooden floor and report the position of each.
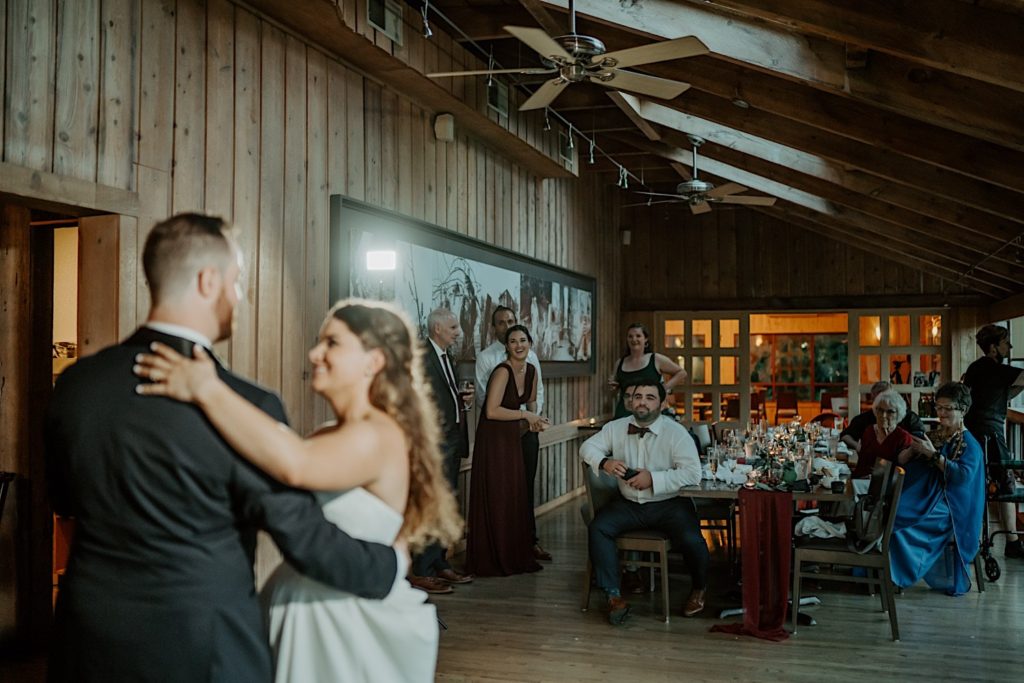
(530, 628)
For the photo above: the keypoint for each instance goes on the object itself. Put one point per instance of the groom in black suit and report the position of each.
(160, 581)
(431, 571)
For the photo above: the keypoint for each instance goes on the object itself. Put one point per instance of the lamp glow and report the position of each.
(380, 260)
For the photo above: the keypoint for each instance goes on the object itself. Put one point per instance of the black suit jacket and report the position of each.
(159, 584)
(455, 444)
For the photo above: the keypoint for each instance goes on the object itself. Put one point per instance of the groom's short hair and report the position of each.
(179, 247)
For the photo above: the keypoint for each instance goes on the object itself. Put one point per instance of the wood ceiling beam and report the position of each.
(839, 230)
(775, 137)
(980, 244)
(945, 34)
(319, 23)
(940, 98)
(755, 158)
(960, 223)
(945, 242)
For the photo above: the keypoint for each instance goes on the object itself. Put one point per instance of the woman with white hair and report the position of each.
(938, 522)
(885, 439)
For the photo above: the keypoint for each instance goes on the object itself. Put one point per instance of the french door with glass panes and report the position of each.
(903, 347)
(714, 349)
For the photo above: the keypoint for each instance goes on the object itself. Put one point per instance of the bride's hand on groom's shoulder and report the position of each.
(173, 375)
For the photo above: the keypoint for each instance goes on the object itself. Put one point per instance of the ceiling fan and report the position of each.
(700, 194)
(578, 58)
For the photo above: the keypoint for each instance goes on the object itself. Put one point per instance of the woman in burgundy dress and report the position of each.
(500, 538)
(884, 439)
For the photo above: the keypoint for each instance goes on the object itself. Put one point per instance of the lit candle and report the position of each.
(592, 422)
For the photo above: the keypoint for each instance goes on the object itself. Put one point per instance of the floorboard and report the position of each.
(530, 628)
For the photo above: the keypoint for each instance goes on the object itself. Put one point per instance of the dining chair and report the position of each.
(758, 411)
(837, 551)
(601, 489)
(704, 436)
(828, 419)
(840, 405)
(786, 405)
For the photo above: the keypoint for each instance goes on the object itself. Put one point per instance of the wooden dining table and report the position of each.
(720, 490)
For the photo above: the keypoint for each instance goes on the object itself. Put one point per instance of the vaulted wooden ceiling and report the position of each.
(888, 123)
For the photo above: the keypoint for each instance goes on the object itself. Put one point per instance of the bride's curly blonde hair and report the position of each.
(401, 391)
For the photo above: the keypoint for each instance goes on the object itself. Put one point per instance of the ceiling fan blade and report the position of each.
(664, 201)
(485, 72)
(544, 95)
(727, 189)
(662, 88)
(681, 170)
(540, 42)
(749, 201)
(700, 207)
(678, 48)
(663, 194)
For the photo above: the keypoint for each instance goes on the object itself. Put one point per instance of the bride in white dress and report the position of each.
(381, 453)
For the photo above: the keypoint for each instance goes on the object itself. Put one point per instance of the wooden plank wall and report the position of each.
(741, 254)
(208, 106)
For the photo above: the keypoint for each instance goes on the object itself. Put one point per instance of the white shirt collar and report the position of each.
(655, 426)
(180, 331)
(437, 349)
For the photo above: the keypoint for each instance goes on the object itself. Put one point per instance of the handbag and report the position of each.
(866, 525)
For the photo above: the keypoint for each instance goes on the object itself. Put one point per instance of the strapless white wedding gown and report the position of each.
(319, 634)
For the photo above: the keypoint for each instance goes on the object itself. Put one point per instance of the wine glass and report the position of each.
(465, 390)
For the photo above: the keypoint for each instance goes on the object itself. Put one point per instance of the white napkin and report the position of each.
(817, 527)
(732, 473)
(836, 468)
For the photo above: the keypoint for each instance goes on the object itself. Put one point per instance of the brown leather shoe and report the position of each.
(695, 603)
(541, 554)
(451, 576)
(430, 584)
(618, 610)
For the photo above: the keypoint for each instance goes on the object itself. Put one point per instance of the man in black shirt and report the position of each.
(992, 385)
(855, 430)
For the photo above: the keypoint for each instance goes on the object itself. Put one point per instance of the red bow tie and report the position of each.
(633, 429)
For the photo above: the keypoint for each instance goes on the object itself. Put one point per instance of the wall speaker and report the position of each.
(444, 128)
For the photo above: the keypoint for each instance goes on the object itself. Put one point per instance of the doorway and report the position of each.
(59, 283)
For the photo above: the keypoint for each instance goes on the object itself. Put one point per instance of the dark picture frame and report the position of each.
(435, 267)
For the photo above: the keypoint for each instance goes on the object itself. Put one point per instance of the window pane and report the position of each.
(728, 368)
(899, 330)
(931, 330)
(701, 373)
(728, 334)
(930, 374)
(701, 407)
(899, 369)
(831, 360)
(760, 357)
(870, 330)
(675, 334)
(870, 368)
(730, 407)
(701, 337)
(792, 359)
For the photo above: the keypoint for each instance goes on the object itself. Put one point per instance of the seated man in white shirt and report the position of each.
(665, 459)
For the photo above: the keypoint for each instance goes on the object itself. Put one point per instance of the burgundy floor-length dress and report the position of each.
(500, 538)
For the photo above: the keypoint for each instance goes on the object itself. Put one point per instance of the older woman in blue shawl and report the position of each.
(938, 521)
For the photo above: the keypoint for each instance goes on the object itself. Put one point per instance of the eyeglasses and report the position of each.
(946, 408)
